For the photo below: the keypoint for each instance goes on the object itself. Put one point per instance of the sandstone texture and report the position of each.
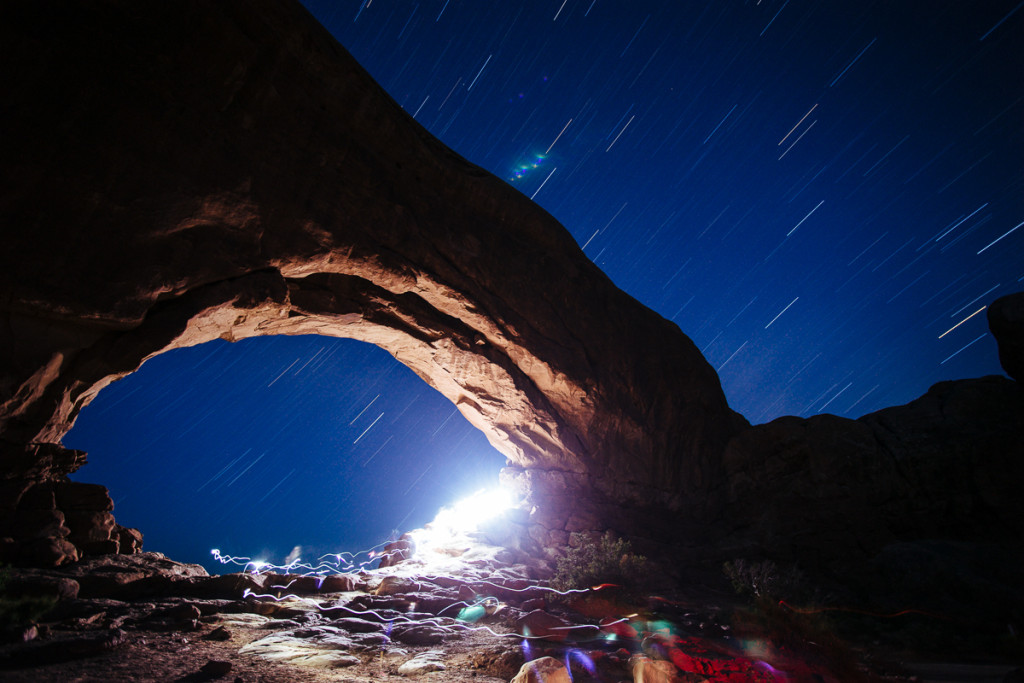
(196, 171)
(152, 626)
(190, 171)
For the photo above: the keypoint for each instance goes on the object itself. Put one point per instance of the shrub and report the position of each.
(765, 580)
(20, 610)
(594, 562)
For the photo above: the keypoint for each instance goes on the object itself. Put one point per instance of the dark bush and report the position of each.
(17, 611)
(764, 580)
(594, 562)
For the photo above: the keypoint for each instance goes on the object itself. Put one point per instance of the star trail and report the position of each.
(823, 196)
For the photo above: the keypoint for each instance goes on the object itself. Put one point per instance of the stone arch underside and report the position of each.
(191, 170)
(201, 171)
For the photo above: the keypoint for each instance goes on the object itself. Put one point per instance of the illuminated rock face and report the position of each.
(191, 171)
(194, 170)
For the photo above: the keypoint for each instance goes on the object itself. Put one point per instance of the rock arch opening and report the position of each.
(271, 443)
(247, 178)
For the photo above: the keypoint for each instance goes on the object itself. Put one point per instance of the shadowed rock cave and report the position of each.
(228, 171)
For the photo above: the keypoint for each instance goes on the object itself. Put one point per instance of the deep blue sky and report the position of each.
(815, 192)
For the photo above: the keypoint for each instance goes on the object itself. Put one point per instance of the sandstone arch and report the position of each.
(192, 171)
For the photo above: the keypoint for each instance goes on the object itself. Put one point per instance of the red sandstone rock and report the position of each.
(76, 496)
(129, 541)
(543, 670)
(647, 670)
(296, 235)
(270, 187)
(47, 552)
(541, 624)
(338, 583)
(396, 551)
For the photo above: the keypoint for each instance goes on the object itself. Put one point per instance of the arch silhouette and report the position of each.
(228, 170)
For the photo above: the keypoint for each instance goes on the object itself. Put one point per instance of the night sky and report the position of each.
(822, 195)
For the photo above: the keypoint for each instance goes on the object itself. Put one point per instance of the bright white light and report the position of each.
(469, 513)
(462, 518)
(258, 565)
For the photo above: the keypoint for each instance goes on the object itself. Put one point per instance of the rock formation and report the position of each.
(192, 171)
(1006, 320)
(118, 618)
(189, 171)
(823, 489)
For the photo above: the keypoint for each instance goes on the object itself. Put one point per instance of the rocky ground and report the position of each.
(474, 612)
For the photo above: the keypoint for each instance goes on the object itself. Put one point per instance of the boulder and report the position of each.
(543, 670)
(129, 541)
(1006, 320)
(221, 586)
(130, 576)
(418, 634)
(300, 651)
(338, 583)
(38, 585)
(357, 625)
(647, 670)
(397, 551)
(47, 552)
(541, 624)
(73, 496)
(87, 526)
(432, 660)
(29, 524)
(393, 585)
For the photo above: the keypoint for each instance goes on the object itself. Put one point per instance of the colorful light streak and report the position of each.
(450, 525)
(437, 620)
(524, 169)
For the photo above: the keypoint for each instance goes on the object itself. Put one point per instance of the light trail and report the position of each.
(799, 137)
(1000, 237)
(557, 136)
(975, 299)
(436, 621)
(805, 218)
(479, 72)
(712, 133)
(559, 10)
(798, 122)
(773, 21)
(364, 410)
(367, 429)
(859, 55)
(544, 183)
(963, 321)
(621, 132)
(282, 372)
(247, 468)
(961, 221)
(963, 349)
(780, 313)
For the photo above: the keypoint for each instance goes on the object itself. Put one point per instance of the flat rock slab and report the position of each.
(320, 653)
(425, 662)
